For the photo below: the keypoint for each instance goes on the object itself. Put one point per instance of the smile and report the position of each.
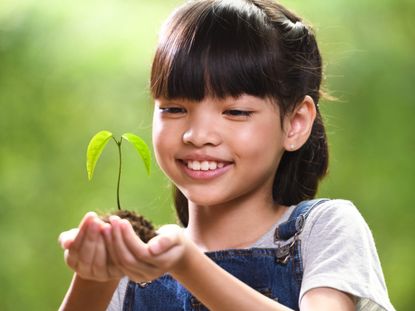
(203, 165)
(204, 169)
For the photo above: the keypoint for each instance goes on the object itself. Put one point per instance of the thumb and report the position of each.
(168, 236)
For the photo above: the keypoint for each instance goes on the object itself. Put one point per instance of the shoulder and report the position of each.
(334, 229)
(338, 251)
(335, 215)
(343, 210)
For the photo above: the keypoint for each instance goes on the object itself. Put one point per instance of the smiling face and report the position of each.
(217, 151)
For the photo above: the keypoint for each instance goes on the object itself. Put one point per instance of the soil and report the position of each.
(142, 227)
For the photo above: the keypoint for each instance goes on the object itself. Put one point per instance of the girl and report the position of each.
(237, 129)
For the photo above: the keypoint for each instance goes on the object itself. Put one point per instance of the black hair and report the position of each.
(223, 48)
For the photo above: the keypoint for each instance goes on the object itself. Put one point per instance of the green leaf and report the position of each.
(95, 147)
(141, 147)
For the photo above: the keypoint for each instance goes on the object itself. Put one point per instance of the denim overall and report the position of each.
(275, 272)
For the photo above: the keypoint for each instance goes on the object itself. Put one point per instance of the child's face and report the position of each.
(219, 150)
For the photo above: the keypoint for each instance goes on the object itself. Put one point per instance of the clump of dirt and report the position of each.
(142, 227)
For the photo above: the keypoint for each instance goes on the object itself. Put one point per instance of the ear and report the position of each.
(298, 124)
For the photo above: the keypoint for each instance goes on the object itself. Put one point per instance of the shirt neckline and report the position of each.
(270, 233)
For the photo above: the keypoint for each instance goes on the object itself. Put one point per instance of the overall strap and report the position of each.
(295, 223)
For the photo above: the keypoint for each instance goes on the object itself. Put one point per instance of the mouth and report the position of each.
(203, 165)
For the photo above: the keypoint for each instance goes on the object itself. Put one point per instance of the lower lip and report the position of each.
(205, 175)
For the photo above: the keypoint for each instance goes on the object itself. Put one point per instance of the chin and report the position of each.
(204, 199)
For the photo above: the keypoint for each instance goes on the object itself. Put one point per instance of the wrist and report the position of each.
(186, 264)
(95, 282)
(84, 294)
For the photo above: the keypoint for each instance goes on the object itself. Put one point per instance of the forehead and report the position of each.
(216, 50)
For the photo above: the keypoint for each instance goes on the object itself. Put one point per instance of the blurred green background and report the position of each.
(69, 69)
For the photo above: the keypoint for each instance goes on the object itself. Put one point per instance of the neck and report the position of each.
(231, 225)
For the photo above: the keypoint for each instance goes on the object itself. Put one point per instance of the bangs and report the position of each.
(216, 49)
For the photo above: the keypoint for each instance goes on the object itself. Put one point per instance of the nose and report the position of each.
(202, 131)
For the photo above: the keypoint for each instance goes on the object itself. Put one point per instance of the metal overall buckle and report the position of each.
(283, 252)
(144, 284)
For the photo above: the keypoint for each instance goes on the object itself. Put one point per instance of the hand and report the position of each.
(85, 250)
(144, 262)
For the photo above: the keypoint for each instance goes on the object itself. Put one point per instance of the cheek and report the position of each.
(261, 140)
(160, 140)
(166, 139)
(265, 152)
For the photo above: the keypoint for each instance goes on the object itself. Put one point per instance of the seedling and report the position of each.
(142, 227)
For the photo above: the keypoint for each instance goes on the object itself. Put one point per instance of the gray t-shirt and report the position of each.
(338, 251)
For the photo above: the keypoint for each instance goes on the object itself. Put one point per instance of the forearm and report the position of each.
(217, 289)
(88, 295)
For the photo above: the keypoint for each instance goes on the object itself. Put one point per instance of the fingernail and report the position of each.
(155, 249)
(107, 232)
(114, 218)
(92, 214)
(105, 228)
(94, 226)
(159, 245)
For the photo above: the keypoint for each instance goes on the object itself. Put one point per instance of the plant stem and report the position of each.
(119, 171)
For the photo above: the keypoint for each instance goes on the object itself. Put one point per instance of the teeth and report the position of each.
(204, 165)
(212, 165)
(196, 166)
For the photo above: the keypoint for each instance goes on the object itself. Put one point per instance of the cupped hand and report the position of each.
(144, 262)
(85, 250)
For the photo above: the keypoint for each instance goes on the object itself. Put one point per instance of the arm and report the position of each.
(339, 253)
(216, 288)
(88, 295)
(327, 299)
(171, 252)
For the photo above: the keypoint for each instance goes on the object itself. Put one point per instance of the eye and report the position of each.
(172, 110)
(238, 113)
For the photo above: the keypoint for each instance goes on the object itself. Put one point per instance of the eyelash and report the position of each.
(172, 110)
(236, 113)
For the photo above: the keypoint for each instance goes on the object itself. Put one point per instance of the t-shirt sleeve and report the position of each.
(117, 300)
(339, 252)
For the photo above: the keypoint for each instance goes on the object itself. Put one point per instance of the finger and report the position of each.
(160, 244)
(99, 262)
(90, 216)
(140, 251)
(102, 268)
(86, 251)
(107, 234)
(135, 245)
(168, 236)
(112, 261)
(66, 238)
(72, 257)
(69, 259)
(169, 229)
(126, 257)
(114, 269)
(122, 255)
